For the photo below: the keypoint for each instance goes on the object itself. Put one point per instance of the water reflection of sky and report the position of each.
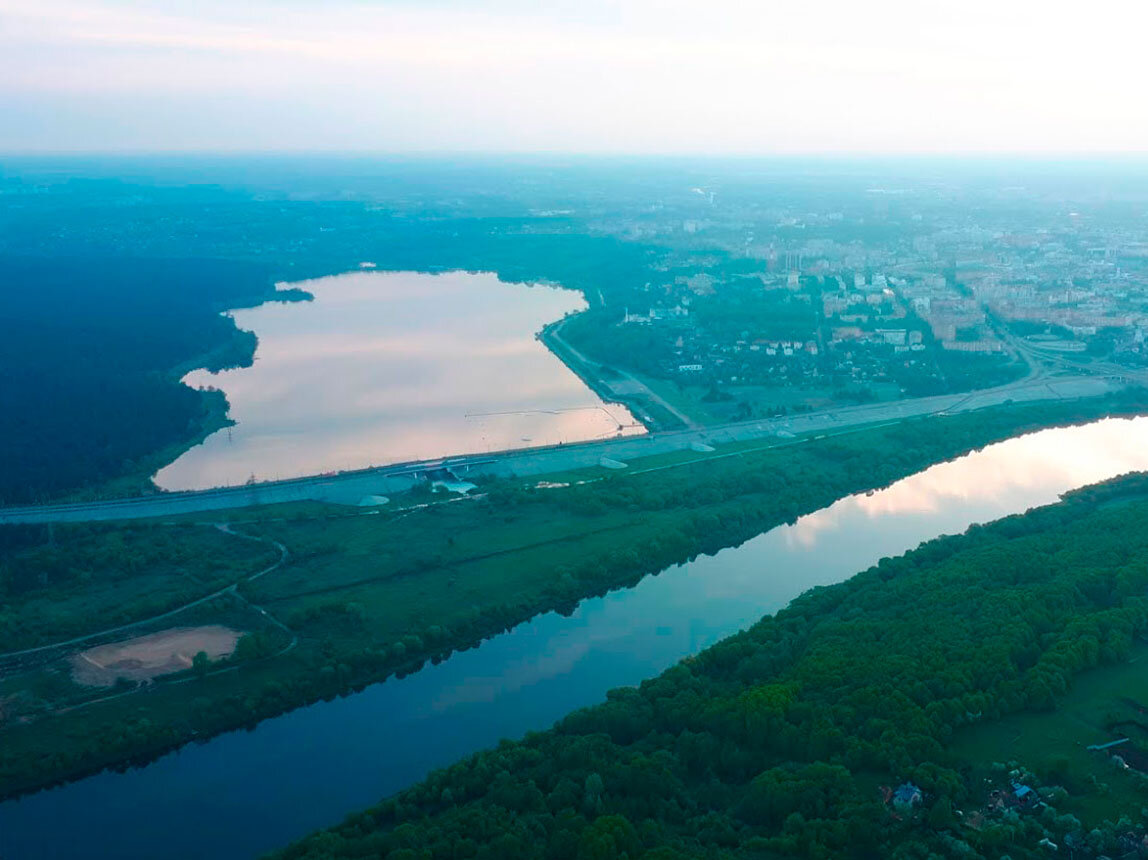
(1001, 479)
(244, 793)
(390, 366)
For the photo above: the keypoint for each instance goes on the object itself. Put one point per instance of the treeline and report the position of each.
(92, 349)
(690, 511)
(947, 372)
(774, 742)
(67, 580)
(112, 289)
(687, 511)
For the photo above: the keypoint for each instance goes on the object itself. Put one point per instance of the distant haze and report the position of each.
(723, 76)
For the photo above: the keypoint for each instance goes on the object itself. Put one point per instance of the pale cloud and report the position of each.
(597, 75)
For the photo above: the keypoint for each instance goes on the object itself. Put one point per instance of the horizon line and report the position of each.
(819, 155)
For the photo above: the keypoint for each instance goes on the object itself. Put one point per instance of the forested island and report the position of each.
(846, 725)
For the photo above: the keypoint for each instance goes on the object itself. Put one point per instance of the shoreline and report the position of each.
(1010, 421)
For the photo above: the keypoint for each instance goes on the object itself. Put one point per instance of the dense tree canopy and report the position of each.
(112, 290)
(773, 743)
(368, 597)
(92, 351)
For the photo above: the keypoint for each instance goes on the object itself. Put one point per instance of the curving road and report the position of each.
(233, 588)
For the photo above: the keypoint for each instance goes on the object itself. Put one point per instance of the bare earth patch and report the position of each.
(147, 657)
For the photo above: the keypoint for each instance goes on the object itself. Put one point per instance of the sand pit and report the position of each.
(146, 657)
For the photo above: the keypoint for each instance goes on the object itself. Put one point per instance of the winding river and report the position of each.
(247, 792)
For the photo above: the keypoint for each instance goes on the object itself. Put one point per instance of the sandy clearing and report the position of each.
(146, 657)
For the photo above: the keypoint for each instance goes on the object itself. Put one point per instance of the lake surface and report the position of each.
(385, 367)
(247, 792)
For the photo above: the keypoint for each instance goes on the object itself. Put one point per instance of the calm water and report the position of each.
(384, 367)
(247, 792)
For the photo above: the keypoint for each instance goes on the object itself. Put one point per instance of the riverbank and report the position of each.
(826, 730)
(369, 596)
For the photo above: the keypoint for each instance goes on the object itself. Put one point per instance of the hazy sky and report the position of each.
(643, 76)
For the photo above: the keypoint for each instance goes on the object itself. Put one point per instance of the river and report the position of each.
(385, 367)
(247, 792)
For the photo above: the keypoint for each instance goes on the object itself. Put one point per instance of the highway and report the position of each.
(350, 487)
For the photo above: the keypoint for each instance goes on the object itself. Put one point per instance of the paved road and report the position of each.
(351, 487)
(621, 383)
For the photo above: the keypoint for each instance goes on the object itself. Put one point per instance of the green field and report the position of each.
(1102, 705)
(861, 721)
(700, 403)
(365, 595)
(72, 580)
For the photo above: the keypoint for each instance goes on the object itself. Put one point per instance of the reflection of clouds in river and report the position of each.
(620, 627)
(804, 533)
(1075, 456)
(1052, 460)
(558, 659)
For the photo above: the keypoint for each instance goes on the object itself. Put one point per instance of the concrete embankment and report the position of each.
(591, 375)
(349, 487)
(613, 386)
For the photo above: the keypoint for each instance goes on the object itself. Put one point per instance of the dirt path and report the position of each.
(284, 554)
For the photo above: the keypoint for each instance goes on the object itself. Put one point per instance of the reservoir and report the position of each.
(247, 792)
(385, 367)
